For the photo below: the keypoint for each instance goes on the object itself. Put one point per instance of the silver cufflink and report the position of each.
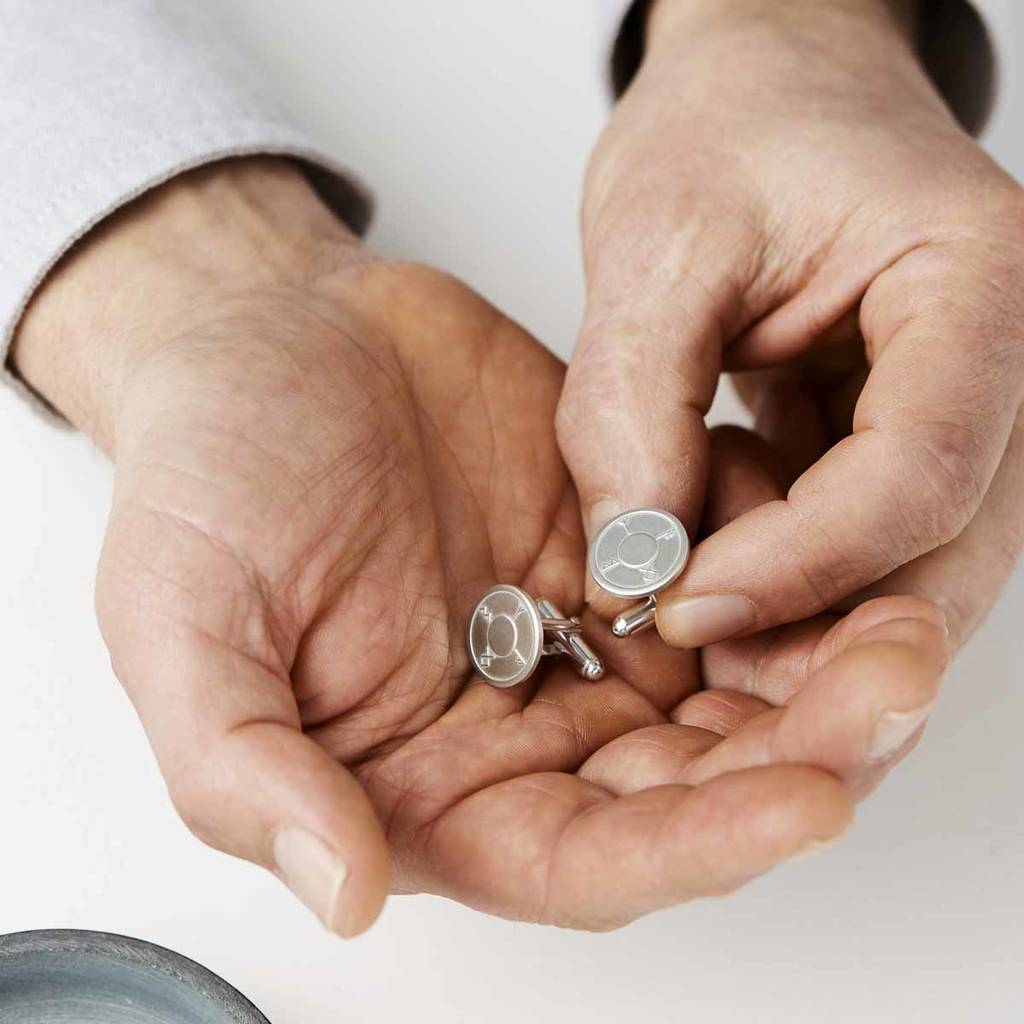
(637, 554)
(509, 631)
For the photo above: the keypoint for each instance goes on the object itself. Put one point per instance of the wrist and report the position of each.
(666, 18)
(729, 56)
(162, 264)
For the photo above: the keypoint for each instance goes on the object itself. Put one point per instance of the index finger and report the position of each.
(929, 431)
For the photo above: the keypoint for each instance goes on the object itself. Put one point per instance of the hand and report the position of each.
(322, 461)
(782, 192)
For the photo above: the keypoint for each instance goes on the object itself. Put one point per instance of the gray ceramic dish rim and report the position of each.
(232, 1005)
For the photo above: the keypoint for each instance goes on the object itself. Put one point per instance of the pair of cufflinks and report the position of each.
(635, 555)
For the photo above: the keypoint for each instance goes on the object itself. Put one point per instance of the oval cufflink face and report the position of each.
(639, 552)
(505, 636)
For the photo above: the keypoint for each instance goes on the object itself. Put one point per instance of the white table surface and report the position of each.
(917, 916)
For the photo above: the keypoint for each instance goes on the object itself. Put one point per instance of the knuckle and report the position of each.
(193, 798)
(970, 275)
(596, 391)
(569, 417)
(825, 566)
(620, 368)
(825, 573)
(939, 482)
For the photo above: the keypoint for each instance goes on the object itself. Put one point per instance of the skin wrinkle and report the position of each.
(715, 698)
(374, 515)
(197, 632)
(412, 656)
(426, 425)
(549, 523)
(222, 544)
(823, 651)
(376, 450)
(684, 322)
(374, 778)
(485, 352)
(827, 590)
(197, 759)
(650, 739)
(818, 317)
(454, 686)
(255, 574)
(425, 705)
(426, 828)
(315, 595)
(553, 862)
(948, 476)
(560, 721)
(877, 339)
(820, 313)
(137, 465)
(586, 403)
(195, 775)
(357, 571)
(597, 796)
(518, 719)
(249, 572)
(542, 556)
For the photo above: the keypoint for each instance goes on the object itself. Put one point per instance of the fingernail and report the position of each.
(698, 621)
(893, 729)
(312, 871)
(815, 846)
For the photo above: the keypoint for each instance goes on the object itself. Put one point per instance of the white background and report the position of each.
(472, 120)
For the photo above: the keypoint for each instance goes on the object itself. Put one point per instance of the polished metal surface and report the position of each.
(506, 636)
(639, 552)
(509, 631)
(571, 642)
(636, 618)
(82, 977)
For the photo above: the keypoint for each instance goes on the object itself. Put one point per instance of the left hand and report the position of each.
(782, 190)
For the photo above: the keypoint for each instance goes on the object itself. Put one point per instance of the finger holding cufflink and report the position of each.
(509, 631)
(637, 554)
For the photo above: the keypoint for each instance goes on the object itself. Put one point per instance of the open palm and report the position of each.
(313, 488)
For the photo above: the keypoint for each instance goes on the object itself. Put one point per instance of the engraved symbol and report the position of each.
(485, 614)
(638, 551)
(509, 632)
(637, 561)
(501, 635)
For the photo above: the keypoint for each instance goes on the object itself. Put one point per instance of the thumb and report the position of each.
(642, 377)
(191, 642)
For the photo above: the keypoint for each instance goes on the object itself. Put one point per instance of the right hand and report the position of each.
(322, 461)
(781, 191)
